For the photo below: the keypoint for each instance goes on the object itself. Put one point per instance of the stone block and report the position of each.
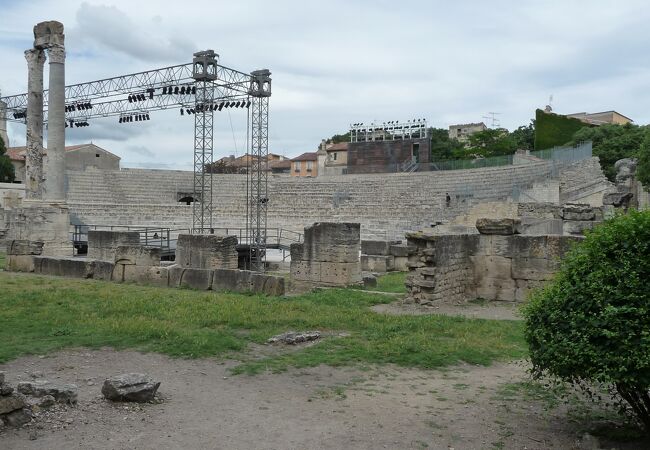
(267, 284)
(577, 227)
(332, 242)
(494, 245)
(24, 247)
(505, 226)
(340, 274)
(369, 281)
(231, 280)
(137, 255)
(102, 244)
(64, 267)
(533, 268)
(534, 226)
(524, 288)
(20, 263)
(527, 246)
(558, 246)
(296, 251)
(497, 289)
(246, 281)
(491, 267)
(206, 251)
(200, 279)
(370, 247)
(377, 263)
(399, 250)
(146, 275)
(401, 263)
(102, 270)
(306, 270)
(578, 212)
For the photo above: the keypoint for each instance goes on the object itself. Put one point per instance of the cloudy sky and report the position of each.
(337, 62)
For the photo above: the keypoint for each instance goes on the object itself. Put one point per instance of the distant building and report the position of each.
(462, 132)
(601, 118)
(332, 159)
(280, 167)
(77, 157)
(305, 165)
(241, 163)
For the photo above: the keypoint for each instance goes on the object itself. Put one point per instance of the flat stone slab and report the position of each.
(63, 393)
(293, 337)
(11, 403)
(130, 387)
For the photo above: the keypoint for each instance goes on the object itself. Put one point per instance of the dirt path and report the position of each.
(320, 408)
(491, 310)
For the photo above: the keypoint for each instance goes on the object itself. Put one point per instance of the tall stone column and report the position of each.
(34, 154)
(55, 169)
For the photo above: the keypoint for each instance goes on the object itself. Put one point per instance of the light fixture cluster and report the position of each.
(78, 124)
(20, 115)
(80, 106)
(140, 117)
(205, 107)
(183, 90)
(140, 97)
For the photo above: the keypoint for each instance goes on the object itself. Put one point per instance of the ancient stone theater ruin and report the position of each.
(490, 232)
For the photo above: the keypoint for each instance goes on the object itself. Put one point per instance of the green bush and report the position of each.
(592, 324)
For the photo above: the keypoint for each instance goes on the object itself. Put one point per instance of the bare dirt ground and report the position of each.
(489, 310)
(203, 406)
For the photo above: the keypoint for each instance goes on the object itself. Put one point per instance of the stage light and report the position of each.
(182, 113)
(164, 89)
(220, 106)
(183, 90)
(248, 103)
(148, 117)
(193, 89)
(176, 90)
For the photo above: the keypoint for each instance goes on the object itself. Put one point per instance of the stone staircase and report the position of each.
(386, 205)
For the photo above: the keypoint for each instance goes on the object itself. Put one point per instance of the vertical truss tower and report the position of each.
(204, 72)
(259, 91)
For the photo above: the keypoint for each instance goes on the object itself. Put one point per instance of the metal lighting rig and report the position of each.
(200, 88)
(388, 131)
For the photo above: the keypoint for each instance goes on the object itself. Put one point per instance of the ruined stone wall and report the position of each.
(440, 268)
(497, 264)
(328, 256)
(206, 251)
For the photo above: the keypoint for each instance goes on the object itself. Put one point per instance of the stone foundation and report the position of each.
(206, 251)
(500, 265)
(42, 222)
(102, 245)
(329, 255)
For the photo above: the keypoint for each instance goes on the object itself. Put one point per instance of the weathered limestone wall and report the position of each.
(328, 256)
(103, 245)
(497, 264)
(440, 268)
(384, 256)
(206, 251)
(42, 223)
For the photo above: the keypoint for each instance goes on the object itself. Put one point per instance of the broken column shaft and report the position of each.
(34, 154)
(55, 170)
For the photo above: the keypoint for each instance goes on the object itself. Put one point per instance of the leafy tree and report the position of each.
(442, 147)
(7, 173)
(338, 138)
(524, 136)
(611, 143)
(592, 323)
(491, 142)
(220, 167)
(643, 169)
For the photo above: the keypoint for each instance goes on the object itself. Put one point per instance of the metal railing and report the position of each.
(167, 238)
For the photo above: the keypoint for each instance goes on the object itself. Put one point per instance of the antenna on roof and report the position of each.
(494, 121)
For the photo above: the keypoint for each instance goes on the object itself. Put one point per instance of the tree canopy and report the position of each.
(613, 142)
(7, 173)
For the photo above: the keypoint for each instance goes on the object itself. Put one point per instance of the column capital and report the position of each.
(35, 56)
(56, 54)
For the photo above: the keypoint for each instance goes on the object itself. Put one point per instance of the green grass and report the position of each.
(391, 282)
(3, 260)
(42, 314)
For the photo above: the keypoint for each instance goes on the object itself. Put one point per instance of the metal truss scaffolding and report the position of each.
(257, 196)
(200, 88)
